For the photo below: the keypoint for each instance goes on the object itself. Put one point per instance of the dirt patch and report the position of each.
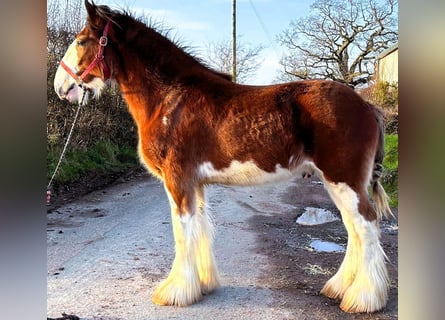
(297, 273)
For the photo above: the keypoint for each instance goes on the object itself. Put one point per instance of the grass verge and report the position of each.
(391, 168)
(104, 156)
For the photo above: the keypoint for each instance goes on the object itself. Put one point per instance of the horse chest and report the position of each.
(153, 147)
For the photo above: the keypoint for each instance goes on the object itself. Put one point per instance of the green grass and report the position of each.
(391, 168)
(102, 157)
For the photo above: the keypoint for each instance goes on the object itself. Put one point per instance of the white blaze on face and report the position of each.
(65, 85)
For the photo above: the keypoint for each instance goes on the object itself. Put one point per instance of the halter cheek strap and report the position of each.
(99, 59)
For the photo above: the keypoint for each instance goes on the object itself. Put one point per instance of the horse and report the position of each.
(196, 127)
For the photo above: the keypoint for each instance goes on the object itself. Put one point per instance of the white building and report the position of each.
(388, 65)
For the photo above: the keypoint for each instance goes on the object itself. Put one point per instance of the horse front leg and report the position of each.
(182, 286)
(194, 271)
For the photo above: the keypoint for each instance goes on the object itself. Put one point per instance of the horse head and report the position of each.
(85, 67)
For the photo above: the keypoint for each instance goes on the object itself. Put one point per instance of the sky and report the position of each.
(200, 22)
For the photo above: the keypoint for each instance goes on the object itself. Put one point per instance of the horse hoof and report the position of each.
(169, 294)
(361, 301)
(160, 302)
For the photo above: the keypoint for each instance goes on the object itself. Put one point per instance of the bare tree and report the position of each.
(69, 15)
(340, 40)
(64, 20)
(219, 56)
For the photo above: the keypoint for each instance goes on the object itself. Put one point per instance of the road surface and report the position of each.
(109, 250)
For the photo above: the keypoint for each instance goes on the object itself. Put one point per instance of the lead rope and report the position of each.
(48, 188)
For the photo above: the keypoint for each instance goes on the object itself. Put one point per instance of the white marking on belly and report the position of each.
(245, 173)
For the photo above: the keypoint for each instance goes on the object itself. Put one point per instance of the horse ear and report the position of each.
(92, 12)
(93, 17)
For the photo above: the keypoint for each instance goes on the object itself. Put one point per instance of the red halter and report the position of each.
(99, 59)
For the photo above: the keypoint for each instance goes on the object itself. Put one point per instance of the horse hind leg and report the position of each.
(369, 291)
(342, 280)
(362, 279)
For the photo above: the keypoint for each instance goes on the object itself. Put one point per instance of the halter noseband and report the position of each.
(99, 59)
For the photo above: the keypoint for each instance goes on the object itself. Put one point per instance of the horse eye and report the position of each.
(81, 43)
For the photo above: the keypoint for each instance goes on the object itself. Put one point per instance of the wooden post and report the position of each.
(234, 41)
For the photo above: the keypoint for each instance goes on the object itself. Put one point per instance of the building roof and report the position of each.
(388, 51)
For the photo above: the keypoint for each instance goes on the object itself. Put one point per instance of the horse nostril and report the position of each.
(63, 93)
(70, 87)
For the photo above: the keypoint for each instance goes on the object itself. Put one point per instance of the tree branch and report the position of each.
(339, 40)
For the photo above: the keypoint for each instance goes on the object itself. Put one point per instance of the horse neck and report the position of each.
(149, 66)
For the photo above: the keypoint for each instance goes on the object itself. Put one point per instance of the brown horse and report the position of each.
(196, 127)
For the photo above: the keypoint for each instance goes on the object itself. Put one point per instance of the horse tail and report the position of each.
(378, 193)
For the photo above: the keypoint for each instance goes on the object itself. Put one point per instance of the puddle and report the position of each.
(313, 216)
(326, 246)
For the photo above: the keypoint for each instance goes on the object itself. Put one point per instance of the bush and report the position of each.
(385, 96)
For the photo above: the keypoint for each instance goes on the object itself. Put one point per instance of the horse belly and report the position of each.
(246, 173)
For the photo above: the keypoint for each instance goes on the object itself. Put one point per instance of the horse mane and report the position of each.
(124, 17)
